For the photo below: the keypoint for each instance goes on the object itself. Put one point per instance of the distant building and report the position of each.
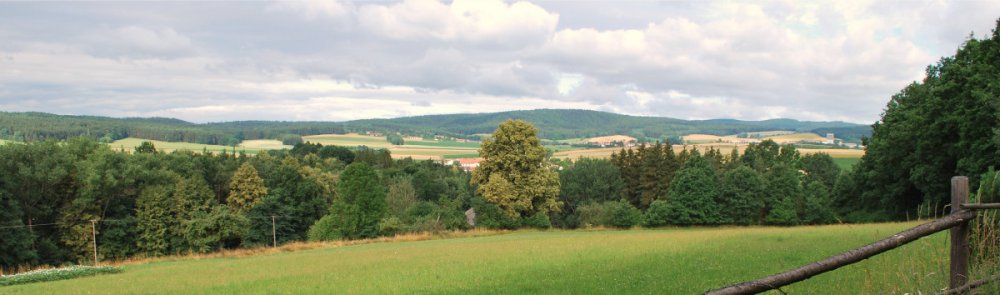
(467, 164)
(830, 139)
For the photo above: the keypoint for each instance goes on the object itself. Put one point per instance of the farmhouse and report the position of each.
(468, 164)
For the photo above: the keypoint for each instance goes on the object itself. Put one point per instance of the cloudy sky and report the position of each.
(335, 61)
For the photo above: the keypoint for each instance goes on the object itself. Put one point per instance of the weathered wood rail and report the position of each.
(957, 221)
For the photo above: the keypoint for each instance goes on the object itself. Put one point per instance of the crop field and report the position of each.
(723, 147)
(661, 261)
(266, 144)
(129, 144)
(420, 150)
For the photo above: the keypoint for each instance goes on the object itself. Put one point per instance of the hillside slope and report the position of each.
(552, 124)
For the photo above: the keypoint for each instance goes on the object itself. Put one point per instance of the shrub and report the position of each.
(657, 213)
(326, 229)
(390, 226)
(540, 220)
(624, 215)
(596, 214)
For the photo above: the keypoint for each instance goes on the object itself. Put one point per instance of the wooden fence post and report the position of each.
(959, 234)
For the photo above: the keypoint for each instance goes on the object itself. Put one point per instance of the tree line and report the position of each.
(769, 184)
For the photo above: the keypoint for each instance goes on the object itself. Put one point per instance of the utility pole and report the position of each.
(274, 236)
(93, 231)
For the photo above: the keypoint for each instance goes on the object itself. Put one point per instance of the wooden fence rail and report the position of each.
(957, 221)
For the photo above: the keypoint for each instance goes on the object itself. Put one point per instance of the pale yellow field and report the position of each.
(415, 151)
(267, 144)
(796, 137)
(782, 138)
(610, 138)
(129, 144)
(725, 149)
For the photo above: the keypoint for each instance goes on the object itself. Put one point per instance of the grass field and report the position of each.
(129, 144)
(661, 261)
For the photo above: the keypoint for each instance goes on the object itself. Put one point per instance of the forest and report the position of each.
(148, 203)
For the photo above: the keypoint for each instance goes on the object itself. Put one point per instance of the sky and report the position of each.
(336, 61)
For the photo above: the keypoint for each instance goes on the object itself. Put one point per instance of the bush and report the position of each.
(390, 226)
(326, 229)
(490, 216)
(596, 214)
(657, 213)
(539, 220)
(624, 215)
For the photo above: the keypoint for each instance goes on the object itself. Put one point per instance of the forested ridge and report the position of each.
(552, 124)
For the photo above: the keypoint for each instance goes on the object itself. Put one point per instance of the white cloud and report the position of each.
(329, 60)
(475, 21)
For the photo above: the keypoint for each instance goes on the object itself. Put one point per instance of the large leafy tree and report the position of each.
(360, 206)
(694, 194)
(940, 127)
(743, 193)
(513, 174)
(246, 188)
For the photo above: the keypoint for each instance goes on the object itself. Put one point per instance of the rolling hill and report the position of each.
(553, 124)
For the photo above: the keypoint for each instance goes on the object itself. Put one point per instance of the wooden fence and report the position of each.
(957, 221)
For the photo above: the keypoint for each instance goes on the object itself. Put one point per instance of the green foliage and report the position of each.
(596, 214)
(932, 130)
(820, 167)
(390, 226)
(290, 139)
(216, 229)
(818, 209)
(624, 215)
(646, 173)
(328, 228)
(361, 204)
(246, 188)
(658, 214)
(540, 220)
(784, 193)
(783, 213)
(490, 216)
(743, 198)
(145, 148)
(395, 139)
(589, 180)
(512, 174)
(401, 196)
(694, 194)
(16, 246)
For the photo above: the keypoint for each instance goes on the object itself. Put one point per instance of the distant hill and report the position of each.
(564, 124)
(552, 124)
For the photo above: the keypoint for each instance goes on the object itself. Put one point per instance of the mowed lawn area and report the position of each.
(659, 261)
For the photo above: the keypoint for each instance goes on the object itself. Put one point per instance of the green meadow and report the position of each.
(660, 261)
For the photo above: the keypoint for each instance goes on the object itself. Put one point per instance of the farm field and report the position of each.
(780, 137)
(129, 144)
(267, 144)
(662, 261)
(724, 148)
(420, 150)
